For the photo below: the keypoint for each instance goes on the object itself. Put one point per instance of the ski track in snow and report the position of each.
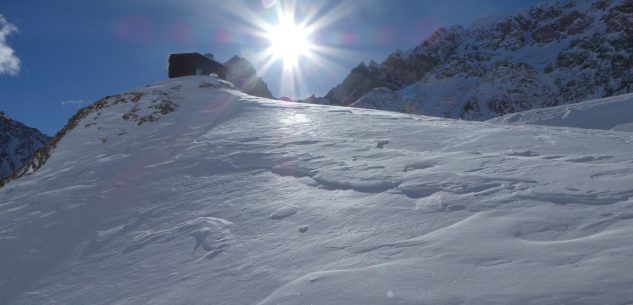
(232, 199)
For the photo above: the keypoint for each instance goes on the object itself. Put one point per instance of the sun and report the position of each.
(289, 41)
(293, 38)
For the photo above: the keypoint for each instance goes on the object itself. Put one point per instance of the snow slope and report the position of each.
(232, 199)
(612, 113)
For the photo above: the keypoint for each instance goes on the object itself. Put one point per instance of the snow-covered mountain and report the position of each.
(552, 54)
(612, 113)
(17, 144)
(190, 192)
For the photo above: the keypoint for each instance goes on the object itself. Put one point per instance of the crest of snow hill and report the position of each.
(17, 144)
(24, 149)
(143, 106)
(549, 55)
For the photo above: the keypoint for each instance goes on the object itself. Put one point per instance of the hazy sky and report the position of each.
(56, 56)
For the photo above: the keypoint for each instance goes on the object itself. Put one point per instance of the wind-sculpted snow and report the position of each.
(612, 113)
(232, 199)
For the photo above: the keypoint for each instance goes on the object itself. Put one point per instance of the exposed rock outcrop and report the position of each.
(549, 55)
(18, 143)
(243, 75)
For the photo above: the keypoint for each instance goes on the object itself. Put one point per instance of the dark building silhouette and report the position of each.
(184, 64)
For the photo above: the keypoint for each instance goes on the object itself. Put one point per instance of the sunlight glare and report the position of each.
(293, 33)
(288, 41)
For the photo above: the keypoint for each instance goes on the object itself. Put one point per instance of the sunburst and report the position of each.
(289, 41)
(292, 39)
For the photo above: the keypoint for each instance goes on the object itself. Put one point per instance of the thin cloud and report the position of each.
(72, 103)
(9, 62)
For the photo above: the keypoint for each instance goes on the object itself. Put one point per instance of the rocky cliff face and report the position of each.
(243, 75)
(17, 144)
(551, 54)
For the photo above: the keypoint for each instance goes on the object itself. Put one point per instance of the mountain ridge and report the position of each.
(18, 143)
(242, 74)
(548, 55)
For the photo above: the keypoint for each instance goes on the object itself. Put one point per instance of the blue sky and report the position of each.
(73, 52)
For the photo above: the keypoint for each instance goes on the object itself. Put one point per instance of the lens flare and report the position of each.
(268, 3)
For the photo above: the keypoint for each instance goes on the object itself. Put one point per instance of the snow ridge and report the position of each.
(613, 113)
(160, 104)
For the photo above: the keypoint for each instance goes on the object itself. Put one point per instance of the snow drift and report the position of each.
(225, 198)
(613, 113)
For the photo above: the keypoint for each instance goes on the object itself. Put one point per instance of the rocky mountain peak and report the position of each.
(441, 43)
(18, 143)
(244, 76)
(5, 119)
(551, 54)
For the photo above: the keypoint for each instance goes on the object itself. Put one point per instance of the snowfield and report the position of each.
(232, 199)
(612, 113)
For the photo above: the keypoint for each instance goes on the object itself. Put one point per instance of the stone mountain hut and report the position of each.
(184, 64)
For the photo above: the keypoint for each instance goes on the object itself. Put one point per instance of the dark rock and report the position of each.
(243, 75)
(18, 143)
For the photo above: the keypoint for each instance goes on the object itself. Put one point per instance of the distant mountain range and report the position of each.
(18, 143)
(549, 55)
